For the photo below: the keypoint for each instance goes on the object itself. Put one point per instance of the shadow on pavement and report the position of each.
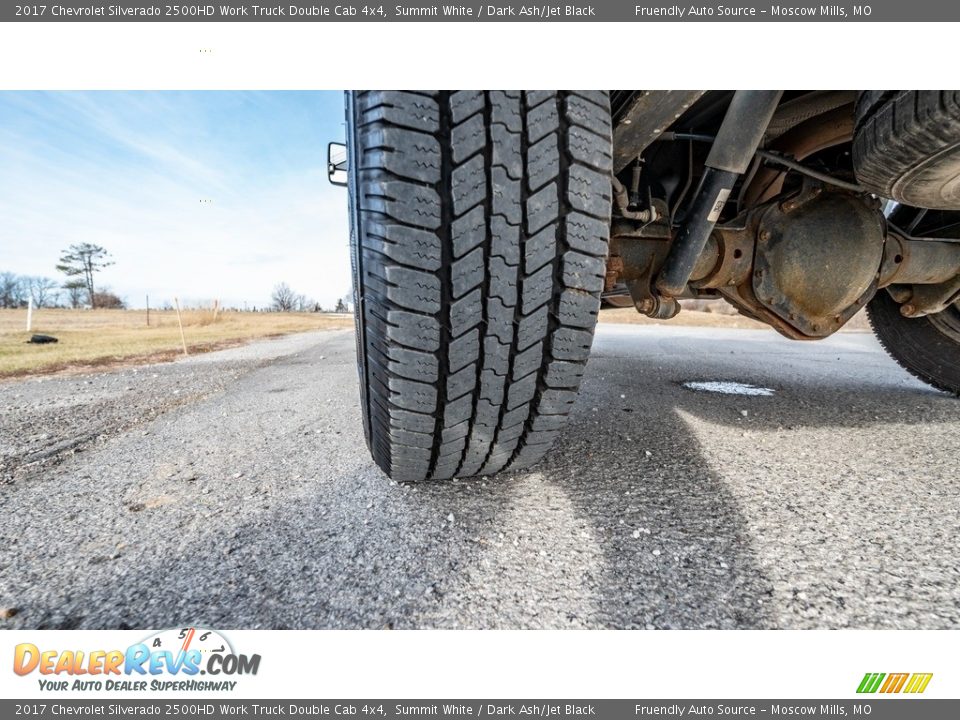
(633, 521)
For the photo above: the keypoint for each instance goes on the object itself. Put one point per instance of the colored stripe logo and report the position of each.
(913, 683)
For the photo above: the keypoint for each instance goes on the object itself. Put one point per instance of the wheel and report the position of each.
(928, 347)
(906, 146)
(479, 234)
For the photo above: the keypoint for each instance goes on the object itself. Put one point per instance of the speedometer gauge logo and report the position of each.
(182, 640)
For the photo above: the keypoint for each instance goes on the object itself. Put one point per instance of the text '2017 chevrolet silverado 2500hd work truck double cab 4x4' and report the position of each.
(487, 227)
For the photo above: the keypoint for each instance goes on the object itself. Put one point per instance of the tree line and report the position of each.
(79, 265)
(286, 299)
(16, 291)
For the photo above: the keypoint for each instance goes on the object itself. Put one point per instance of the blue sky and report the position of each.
(198, 195)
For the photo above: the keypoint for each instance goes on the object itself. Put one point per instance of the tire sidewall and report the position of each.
(356, 259)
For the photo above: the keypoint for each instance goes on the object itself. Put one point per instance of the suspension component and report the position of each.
(736, 143)
(804, 264)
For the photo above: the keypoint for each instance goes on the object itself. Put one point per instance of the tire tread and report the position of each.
(481, 221)
(896, 133)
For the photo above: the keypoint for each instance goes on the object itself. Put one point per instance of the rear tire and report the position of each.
(480, 226)
(928, 347)
(906, 146)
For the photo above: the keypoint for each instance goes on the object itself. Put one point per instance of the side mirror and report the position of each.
(337, 163)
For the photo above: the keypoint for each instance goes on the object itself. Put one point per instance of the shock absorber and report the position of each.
(730, 155)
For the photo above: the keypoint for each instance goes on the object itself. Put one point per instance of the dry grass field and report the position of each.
(686, 318)
(96, 338)
(93, 338)
(720, 319)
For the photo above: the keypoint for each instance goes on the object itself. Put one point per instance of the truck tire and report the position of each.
(906, 146)
(928, 347)
(480, 223)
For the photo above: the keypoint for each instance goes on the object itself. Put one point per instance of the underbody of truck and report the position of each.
(489, 226)
(753, 198)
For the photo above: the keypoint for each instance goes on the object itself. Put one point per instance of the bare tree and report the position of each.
(306, 304)
(84, 261)
(284, 298)
(76, 293)
(12, 290)
(43, 291)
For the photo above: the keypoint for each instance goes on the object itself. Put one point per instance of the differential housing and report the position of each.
(817, 258)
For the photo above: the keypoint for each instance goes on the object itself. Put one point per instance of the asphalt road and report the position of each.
(234, 490)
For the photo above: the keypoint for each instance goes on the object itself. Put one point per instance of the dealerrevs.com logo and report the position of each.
(169, 660)
(910, 683)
